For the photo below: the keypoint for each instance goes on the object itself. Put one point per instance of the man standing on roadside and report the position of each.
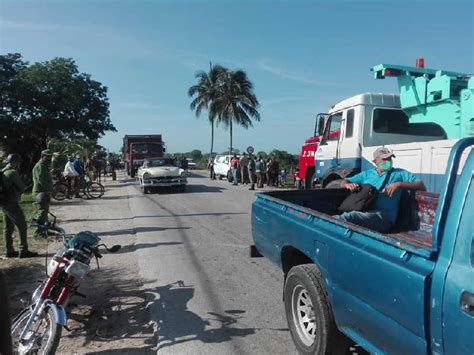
(259, 171)
(42, 187)
(234, 166)
(13, 215)
(244, 176)
(251, 171)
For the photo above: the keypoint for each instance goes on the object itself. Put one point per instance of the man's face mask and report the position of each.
(386, 165)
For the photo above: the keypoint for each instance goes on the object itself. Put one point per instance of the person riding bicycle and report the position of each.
(71, 174)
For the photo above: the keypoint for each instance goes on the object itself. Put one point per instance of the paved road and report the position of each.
(206, 294)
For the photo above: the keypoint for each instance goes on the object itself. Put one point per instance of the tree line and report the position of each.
(50, 101)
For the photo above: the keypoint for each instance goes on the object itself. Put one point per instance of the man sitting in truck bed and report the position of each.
(383, 215)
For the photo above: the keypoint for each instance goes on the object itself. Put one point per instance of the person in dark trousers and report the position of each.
(244, 175)
(12, 213)
(5, 326)
(251, 172)
(210, 166)
(42, 188)
(383, 215)
(259, 171)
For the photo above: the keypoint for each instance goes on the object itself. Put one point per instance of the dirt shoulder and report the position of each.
(113, 318)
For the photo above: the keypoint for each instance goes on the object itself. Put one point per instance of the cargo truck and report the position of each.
(434, 109)
(137, 148)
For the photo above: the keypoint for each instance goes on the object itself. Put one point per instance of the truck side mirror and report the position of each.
(164, 150)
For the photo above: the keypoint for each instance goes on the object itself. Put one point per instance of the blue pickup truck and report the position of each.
(410, 291)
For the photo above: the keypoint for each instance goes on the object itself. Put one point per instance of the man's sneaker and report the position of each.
(12, 254)
(27, 254)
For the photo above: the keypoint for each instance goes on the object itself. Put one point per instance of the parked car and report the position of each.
(191, 164)
(222, 166)
(161, 172)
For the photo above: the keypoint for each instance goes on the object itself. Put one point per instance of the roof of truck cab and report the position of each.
(383, 100)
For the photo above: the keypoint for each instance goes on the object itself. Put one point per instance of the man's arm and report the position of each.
(412, 185)
(353, 183)
(351, 186)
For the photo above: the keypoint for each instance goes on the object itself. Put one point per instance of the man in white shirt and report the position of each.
(70, 173)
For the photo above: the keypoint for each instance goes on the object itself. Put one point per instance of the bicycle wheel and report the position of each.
(94, 190)
(60, 191)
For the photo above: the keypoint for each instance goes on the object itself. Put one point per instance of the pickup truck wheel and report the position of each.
(308, 312)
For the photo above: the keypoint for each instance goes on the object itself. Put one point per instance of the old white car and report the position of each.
(161, 172)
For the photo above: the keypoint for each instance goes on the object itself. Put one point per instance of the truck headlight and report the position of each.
(146, 176)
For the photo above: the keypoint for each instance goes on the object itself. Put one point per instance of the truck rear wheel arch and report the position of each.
(291, 257)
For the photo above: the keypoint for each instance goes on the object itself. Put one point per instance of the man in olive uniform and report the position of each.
(12, 213)
(42, 188)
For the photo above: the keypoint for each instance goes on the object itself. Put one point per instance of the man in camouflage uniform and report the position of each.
(42, 188)
(12, 213)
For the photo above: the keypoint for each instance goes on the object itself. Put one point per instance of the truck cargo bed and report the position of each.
(414, 223)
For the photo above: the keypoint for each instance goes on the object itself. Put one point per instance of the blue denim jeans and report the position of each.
(374, 220)
(234, 176)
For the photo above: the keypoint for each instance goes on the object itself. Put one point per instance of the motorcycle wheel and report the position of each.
(44, 335)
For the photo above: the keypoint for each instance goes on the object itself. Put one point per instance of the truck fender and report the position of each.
(59, 312)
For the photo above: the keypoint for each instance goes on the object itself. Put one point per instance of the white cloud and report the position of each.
(264, 65)
(18, 25)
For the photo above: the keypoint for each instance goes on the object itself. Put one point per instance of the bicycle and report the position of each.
(84, 188)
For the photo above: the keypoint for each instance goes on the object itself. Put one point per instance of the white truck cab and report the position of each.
(357, 126)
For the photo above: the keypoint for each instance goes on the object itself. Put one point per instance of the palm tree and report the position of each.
(236, 101)
(205, 92)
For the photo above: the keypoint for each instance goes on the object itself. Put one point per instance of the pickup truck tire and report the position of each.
(309, 313)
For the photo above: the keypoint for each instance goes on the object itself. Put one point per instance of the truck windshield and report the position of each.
(146, 148)
(390, 126)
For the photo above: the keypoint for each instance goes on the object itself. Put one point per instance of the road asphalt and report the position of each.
(205, 294)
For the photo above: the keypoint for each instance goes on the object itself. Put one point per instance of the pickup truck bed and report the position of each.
(414, 224)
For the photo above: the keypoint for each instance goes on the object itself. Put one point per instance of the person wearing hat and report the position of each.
(12, 213)
(42, 187)
(383, 215)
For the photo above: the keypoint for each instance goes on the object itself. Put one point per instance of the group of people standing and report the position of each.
(255, 170)
(12, 189)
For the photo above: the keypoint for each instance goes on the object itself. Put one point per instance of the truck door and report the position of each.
(458, 297)
(327, 153)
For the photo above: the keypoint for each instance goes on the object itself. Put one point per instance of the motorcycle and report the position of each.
(37, 329)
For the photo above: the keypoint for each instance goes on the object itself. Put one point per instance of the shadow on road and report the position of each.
(115, 309)
(203, 188)
(133, 247)
(177, 324)
(157, 216)
(138, 230)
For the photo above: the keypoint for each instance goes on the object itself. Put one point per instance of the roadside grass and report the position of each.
(33, 244)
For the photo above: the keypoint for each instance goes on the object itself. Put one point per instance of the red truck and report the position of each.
(137, 148)
(305, 174)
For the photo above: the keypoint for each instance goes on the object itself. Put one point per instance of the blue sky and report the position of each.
(302, 56)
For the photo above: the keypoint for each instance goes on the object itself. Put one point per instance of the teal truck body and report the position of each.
(410, 291)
